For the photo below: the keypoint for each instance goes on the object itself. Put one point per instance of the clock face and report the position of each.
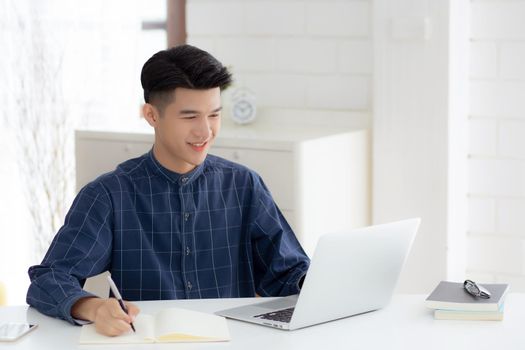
(243, 111)
(243, 106)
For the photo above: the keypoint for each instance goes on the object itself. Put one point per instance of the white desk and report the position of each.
(404, 324)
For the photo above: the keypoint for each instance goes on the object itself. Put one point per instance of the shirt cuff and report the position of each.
(81, 322)
(67, 304)
(301, 281)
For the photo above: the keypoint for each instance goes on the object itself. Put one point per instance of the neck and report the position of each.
(167, 161)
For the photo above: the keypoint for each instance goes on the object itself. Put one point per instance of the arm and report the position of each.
(280, 263)
(81, 248)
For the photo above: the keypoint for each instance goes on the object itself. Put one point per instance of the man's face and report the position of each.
(186, 129)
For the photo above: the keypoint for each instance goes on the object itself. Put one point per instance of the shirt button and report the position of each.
(184, 179)
(186, 216)
(188, 251)
(189, 285)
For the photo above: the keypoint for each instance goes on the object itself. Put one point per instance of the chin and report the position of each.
(198, 161)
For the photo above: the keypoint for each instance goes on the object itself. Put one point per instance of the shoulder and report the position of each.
(123, 176)
(239, 174)
(215, 164)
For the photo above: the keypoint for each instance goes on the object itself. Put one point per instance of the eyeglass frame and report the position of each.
(476, 290)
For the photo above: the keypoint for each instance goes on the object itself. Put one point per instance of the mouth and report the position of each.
(198, 147)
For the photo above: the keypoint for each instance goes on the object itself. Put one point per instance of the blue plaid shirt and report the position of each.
(212, 233)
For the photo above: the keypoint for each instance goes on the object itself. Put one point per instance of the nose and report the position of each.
(202, 129)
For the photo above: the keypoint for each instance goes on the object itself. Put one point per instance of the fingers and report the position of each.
(115, 328)
(133, 310)
(111, 320)
(116, 311)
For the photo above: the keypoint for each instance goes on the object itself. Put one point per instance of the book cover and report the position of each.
(452, 296)
(469, 315)
(167, 326)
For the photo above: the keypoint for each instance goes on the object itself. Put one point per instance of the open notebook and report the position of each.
(167, 326)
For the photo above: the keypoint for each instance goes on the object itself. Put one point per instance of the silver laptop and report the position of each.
(351, 272)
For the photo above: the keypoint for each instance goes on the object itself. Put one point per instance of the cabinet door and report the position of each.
(95, 157)
(275, 167)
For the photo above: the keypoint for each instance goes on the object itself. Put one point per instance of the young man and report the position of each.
(174, 223)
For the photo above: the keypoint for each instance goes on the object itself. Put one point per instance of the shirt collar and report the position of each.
(181, 179)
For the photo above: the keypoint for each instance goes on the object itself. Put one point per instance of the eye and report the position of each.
(214, 115)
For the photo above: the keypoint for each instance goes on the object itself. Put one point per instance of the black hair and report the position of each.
(181, 66)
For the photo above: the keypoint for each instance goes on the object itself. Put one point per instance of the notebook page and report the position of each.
(143, 325)
(187, 326)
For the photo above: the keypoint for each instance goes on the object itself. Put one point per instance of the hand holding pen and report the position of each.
(117, 295)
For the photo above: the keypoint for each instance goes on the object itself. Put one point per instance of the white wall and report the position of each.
(496, 238)
(419, 127)
(301, 58)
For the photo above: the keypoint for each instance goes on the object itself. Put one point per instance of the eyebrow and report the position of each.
(191, 111)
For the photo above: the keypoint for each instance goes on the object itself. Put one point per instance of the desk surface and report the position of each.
(404, 324)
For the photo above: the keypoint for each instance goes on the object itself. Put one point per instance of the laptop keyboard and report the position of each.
(284, 315)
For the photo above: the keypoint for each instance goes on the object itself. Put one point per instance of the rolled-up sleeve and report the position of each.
(80, 249)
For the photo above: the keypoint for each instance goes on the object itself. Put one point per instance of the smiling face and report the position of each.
(186, 128)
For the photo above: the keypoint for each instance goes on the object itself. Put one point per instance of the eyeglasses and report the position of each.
(476, 290)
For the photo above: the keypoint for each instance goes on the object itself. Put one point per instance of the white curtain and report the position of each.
(64, 65)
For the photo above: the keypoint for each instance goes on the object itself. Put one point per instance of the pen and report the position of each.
(117, 295)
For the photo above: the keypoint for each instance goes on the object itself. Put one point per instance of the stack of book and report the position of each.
(451, 301)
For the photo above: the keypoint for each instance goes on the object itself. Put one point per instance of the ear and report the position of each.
(151, 114)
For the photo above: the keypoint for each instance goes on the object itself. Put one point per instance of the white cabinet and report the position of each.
(320, 179)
